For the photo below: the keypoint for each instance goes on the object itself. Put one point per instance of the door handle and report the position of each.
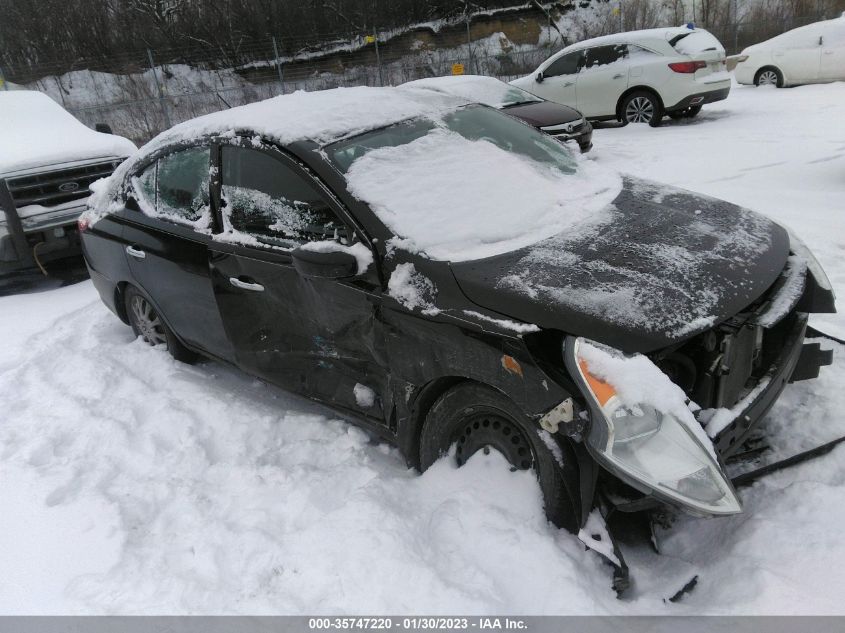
(246, 285)
(828, 52)
(567, 84)
(136, 253)
(618, 76)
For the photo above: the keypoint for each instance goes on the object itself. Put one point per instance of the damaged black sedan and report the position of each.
(454, 280)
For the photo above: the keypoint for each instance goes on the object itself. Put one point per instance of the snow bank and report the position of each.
(456, 199)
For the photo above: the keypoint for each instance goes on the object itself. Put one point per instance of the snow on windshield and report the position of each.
(486, 90)
(454, 195)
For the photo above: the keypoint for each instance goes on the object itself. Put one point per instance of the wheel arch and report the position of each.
(638, 88)
(120, 301)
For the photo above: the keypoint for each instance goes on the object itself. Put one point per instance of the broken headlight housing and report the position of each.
(657, 451)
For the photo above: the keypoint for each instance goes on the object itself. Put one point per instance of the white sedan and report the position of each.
(809, 54)
(635, 77)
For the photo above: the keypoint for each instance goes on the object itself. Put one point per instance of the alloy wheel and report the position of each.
(639, 110)
(768, 78)
(148, 322)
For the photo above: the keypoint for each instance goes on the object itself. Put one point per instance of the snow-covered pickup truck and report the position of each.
(47, 161)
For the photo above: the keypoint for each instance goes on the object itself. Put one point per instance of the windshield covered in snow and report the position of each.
(486, 90)
(471, 123)
(472, 183)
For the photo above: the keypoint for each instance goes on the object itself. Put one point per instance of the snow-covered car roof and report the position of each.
(321, 116)
(36, 131)
(701, 38)
(487, 90)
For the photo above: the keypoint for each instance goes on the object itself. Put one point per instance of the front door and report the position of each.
(319, 337)
(558, 81)
(167, 247)
(602, 80)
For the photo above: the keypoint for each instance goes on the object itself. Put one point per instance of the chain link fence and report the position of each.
(142, 93)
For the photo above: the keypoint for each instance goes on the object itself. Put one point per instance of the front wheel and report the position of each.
(474, 417)
(148, 324)
(642, 107)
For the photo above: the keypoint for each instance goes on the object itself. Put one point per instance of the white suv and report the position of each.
(635, 77)
(809, 54)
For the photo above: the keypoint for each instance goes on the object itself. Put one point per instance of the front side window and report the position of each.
(604, 55)
(272, 203)
(568, 64)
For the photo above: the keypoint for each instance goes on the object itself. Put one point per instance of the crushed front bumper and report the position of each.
(794, 355)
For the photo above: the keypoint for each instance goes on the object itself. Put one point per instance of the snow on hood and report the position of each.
(456, 199)
(664, 265)
(36, 131)
(321, 116)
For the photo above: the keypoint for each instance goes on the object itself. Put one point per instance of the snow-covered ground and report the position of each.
(130, 483)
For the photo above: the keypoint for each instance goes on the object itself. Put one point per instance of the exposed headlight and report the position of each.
(642, 430)
(797, 246)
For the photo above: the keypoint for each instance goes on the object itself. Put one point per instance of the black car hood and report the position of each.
(543, 113)
(666, 265)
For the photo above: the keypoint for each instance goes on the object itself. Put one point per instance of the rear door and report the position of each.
(559, 78)
(167, 247)
(833, 51)
(319, 337)
(602, 80)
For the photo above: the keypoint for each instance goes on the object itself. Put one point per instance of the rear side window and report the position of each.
(272, 203)
(183, 184)
(568, 64)
(604, 55)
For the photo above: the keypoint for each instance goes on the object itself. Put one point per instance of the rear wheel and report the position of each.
(641, 107)
(148, 324)
(769, 76)
(475, 417)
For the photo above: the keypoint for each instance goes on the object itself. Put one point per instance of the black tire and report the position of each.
(477, 417)
(149, 325)
(768, 76)
(641, 106)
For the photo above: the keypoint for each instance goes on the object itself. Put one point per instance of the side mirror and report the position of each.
(132, 204)
(821, 40)
(324, 264)
(539, 77)
(105, 128)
